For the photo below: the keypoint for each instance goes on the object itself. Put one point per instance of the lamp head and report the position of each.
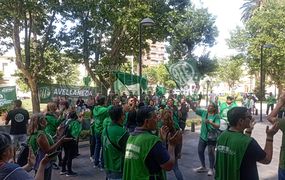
(147, 22)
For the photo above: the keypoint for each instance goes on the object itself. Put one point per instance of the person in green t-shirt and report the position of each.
(270, 100)
(237, 153)
(13, 171)
(145, 156)
(114, 139)
(53, 118)
(100, 112)
(210, 122)
(224, 108)
(70, 148)
(272, 118)
(41, 142)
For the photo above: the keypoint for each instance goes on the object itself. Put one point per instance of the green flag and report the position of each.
(129, 79)
(184, 72)
(160, 91)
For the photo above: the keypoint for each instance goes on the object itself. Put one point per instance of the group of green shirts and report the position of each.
(74, 129)
(123, 153)
(231, 146)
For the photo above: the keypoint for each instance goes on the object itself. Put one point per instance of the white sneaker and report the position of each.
(210, 172)
(91, 159)
(200, 169)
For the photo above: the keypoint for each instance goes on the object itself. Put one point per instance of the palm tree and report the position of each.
(249, 8)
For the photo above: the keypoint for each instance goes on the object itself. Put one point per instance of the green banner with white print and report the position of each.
(7, 95)
(48, 92)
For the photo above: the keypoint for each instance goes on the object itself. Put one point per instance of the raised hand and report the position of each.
(45, 160)
(273, 130)
(251, 125)
(175, 139)
(164, 130)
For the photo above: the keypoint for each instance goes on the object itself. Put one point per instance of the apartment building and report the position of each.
(156, 54)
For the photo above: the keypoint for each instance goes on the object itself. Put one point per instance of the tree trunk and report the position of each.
(35, 96)
(280, 89)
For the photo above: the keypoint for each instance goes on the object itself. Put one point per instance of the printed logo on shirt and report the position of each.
(19, 117)
(225, 150)
(132, 151)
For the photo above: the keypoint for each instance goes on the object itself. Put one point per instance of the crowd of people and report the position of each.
(134, 139)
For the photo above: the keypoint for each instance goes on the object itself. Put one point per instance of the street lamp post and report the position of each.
(261, 83)
(262, 76)
(144, 22)
(207, 97)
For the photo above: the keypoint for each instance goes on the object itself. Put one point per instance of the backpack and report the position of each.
(62, 129)
(22, 159)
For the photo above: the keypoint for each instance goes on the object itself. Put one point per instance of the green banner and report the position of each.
(130, 79)
(7, 95)
(47, 92)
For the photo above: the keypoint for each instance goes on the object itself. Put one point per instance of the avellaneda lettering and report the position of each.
(72, 92)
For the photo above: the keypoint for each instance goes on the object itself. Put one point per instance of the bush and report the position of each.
(4, 109)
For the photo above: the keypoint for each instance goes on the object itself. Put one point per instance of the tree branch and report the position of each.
(46, 39)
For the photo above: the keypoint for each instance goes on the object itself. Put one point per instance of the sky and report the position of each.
(228, 16)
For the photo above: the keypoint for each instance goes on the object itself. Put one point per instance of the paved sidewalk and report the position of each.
(190, 160)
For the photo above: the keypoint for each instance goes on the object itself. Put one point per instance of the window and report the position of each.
(4, 67)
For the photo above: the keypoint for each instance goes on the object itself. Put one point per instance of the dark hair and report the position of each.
(141, 104)
(101, 100)
(230, 98)
(116, 113)
(72, 115)
(215, 107)
(5, 142)
(18, 103)
(170, 98)
(65, 104)
(144, 112)
(235, 114)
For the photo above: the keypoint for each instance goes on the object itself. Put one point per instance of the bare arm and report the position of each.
(216, 126)
(268, 149)
(173, 141)
(44, 145)
(269, 143)
(170, 163)
(273, 114)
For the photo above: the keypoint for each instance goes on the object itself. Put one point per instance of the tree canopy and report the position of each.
(45, 35)
(264, 31)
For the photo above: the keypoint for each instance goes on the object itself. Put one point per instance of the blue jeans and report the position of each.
(92, 141)
(177, 171)
(98, 154)
(281, 174)
(211, 152)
